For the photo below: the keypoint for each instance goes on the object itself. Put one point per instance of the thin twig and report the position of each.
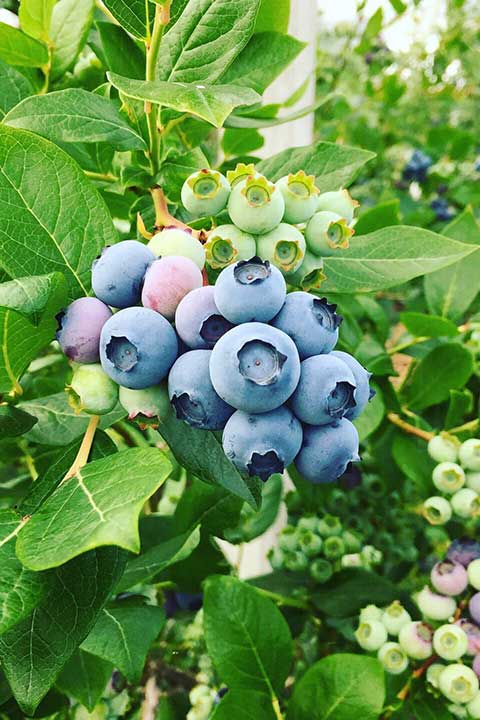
(85, 447)
(410, 429)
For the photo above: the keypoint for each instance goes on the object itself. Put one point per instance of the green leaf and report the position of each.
(350, 590)
(205, 39)
(71, 22)
(238, 142)
(265, 56)
(426, 707)
(44, 195)
(447, 367)
(390, 256)
(122, 54)
(273, 15)
(245, 705)
(459, 406)
(202, 454)
(36, 298)
(75, 115)
(175, 171)
(13, 87)
(247, 637)
(372, 29)
(20, 589)
(254, 523)
(131, 14)
(17, 48)
(58, 423)
(34, 651)
(371, 417)
(380, 216)
(398, 6)
(212, 103)
(410, 455)
(334, 166)
(98, 506)
(85, 677)
(123, 635)
(35, 17)
(14, 422)
(340, 687)
(420, 324)
(451, 291)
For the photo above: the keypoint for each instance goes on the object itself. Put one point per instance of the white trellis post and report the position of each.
(252, 559)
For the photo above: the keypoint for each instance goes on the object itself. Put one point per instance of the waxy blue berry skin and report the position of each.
(325, 391)
(255, 367)
(79, 328)
(198, 320)
(262, 444)
(327, 450)
(250, 291)
(464, 551)
(192, 395)
(362, 393)
(311, 322)
(138, 347)
(117, 275)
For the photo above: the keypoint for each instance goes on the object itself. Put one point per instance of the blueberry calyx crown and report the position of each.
(213, 328)
(205, 183)
(326, 315)
(258, 190)
(240, 173)
(260, 362)
(341, 399)
(264, 465)
(122, 353)
(302, 185)
(189, 410)
(252, 271)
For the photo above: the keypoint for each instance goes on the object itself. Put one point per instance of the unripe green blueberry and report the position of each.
(353, 544)
(434, 606)
(288, 539)
(329, 525)
(371, 635)
(444, 448)
(241, 172)
(458, 683)
(326, 233)
(458, 711)
(339, 201)
(473, 707)
(448, 477)
(310, 543)
(300, 195)
(308, 522)
(351, 560)
(371, 556)
(433, 674)
(473, 481)
(450, 642)
(151, 402)
(284, 246)
(296, 561)
(469, 454)
(255, 205)
(91, 390)
(371, 612)
(227, 244)
(473, 571)
(333, 547)
(437, 510)
(415, 638)
(393, 658)
(276, 559)
(309, 275)
(205, 192)
(395, 617)
(175, 241)
(321, 570)
(465, 503)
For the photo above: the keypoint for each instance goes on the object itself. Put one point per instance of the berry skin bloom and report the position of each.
(362, 393)
(205, 193)
(79, 329)
(327, 450)
(167, 281)
(198, 321)
(464, 550)
(311, 322)
(449, 578)
(117, 275)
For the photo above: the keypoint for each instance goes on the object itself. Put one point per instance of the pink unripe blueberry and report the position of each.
(449, 578)
(79, 328)
(472, 631)
(167, 281)
(474, 607)
(476, 665)
(416, 640)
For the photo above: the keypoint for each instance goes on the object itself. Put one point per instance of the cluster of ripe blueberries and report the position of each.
(242, 355)
(446, 640)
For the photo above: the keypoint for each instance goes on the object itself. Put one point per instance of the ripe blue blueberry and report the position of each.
(325, 391)
(227, 244)
(363, 392)
(167, 281)
(311, 322)
(300, 195)
(441, 209)
(198, 320)
(205, 193)
(255, 205)
(138, 347)
(327, 450)
(117, 275)
(417, 166)
(262, 444)
(192, 395)
(250, 291)
(284, 246)
(79, 328)
(255, 367)
(91, 390)
(464, 550)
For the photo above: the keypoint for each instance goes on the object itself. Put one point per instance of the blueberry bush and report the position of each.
(196, 339)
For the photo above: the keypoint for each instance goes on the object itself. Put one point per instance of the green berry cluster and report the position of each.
(321, 546)
(287, 222)
(456, 477)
